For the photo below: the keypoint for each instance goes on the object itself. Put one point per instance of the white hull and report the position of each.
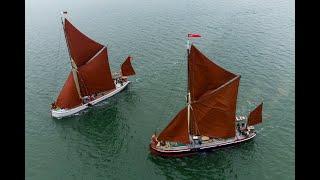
(68, 112)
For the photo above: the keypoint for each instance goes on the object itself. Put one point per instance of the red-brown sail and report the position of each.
(126, 67)
(81, 47)
(95, 76)
(68, 97)
(214, 93)
(214, 113)
(177, 130)
(204, 75)
(255, 116)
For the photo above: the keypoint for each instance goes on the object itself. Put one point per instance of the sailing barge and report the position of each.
(90, 80)
(209, 120)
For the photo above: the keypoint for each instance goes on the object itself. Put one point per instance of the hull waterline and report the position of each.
(69, 112)
(194, 151)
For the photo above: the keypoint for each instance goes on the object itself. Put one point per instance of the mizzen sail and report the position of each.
(126, 67)
(255, 116)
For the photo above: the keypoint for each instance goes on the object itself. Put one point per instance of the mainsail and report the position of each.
(126, 67)
(90, 65)
(214, 93)
(215, 112)
(95, 76)
(255, 116)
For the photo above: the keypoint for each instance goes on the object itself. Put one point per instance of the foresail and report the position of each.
(68, 97)
(177, 130)
(95, 76)
(204, 75)
(214, 113)
(81, 47)
(126, 67)
(255, 116)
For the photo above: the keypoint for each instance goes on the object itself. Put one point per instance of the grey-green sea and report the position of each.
(253, 38)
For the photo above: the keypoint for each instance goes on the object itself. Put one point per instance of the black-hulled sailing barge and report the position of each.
(209, 120)
(90, 80)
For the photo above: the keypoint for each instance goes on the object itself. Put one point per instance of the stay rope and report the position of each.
(171, 106)
(58, 58)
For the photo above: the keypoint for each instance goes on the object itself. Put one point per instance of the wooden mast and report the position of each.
(73, 64)
(189, 95)
(188, 89)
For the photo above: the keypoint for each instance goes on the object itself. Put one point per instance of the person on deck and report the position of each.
(53, 105)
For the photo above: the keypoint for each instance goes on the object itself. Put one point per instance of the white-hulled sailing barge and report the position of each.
(90, 80)
(209, 120)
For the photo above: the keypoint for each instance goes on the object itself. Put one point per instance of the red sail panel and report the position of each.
(95, 76)
(214, 113)
(68, 97)
(81, 47)
(177, 130)
(204, 75)
(126, 67)
(255, 116)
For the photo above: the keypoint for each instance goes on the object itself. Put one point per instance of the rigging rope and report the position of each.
(58, 58)
(170, 106)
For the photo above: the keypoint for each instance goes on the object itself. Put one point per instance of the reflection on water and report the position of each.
(98, 134)
(218, 164)
(252, 38)
(96, 138)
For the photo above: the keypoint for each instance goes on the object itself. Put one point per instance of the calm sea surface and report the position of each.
(254, 38)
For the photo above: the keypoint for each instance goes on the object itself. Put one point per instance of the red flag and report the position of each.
(193, 35)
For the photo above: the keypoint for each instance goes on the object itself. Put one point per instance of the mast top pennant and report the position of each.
(193, 35)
